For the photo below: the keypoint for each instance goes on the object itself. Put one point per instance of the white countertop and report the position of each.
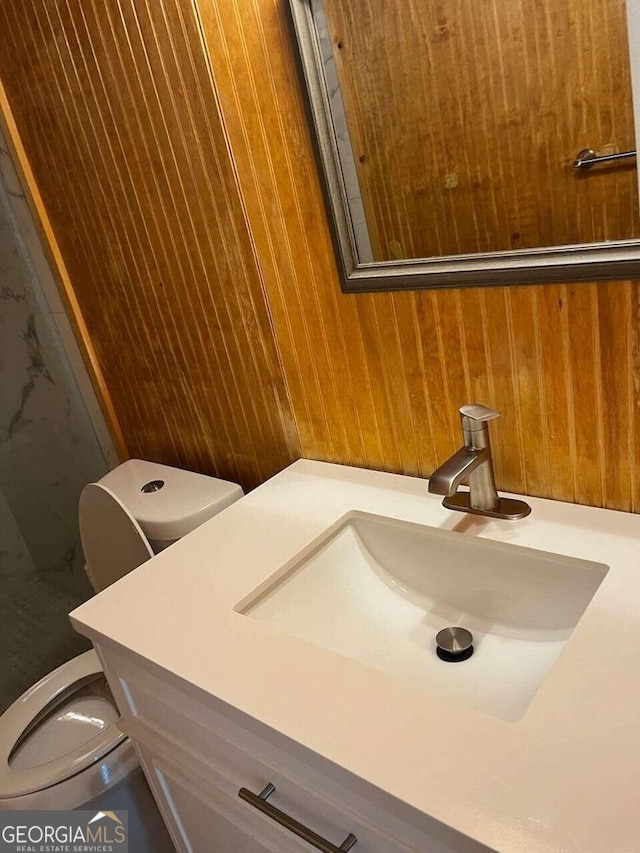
(565, 777)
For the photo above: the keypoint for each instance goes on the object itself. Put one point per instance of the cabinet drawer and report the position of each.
(203, 819)
(218, 782)
(153, 709)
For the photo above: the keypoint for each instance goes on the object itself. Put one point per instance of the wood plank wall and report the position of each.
(119, 118)
(376, 380)
(465, 118)
(123, 128)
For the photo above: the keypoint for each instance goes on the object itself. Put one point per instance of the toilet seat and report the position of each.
(112, 540)
(21, 720)
(62, 725)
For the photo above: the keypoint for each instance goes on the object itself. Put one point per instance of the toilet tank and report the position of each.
(168, 502)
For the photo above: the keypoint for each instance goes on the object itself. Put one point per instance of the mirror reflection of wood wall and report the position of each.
(465, 118)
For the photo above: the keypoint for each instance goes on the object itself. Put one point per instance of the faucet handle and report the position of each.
(474, 416)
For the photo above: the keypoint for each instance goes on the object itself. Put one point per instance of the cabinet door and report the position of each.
(201, 827)
(209, 821)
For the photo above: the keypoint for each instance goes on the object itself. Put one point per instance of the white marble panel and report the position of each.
(76, 363)
(48, 450)
(16, 297)
(24, 235)
(15, 558)
(50, 447)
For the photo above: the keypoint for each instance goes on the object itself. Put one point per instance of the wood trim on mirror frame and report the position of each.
(614, 260)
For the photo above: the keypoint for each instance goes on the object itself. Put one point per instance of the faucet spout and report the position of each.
(446, 479)
(472, 465)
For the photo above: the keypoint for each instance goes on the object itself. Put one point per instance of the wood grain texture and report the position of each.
(376, 379)
(191, 221)
(465, 118)
(116, 107)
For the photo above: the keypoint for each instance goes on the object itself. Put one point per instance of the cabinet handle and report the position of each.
(259, 801)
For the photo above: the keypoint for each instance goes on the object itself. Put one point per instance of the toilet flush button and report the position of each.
(152, 486)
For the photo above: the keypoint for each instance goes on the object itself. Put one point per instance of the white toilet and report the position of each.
(60, 747)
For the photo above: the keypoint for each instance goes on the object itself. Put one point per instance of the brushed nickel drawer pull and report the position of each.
(259, 801)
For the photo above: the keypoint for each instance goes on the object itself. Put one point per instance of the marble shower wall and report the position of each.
(52, 436)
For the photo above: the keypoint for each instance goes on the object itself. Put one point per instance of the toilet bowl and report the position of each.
(60, 747)
(61, 737)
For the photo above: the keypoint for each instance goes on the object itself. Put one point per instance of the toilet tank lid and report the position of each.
(168, 502)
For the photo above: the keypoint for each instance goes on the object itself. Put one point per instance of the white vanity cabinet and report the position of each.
(229, 679)
(197, 755)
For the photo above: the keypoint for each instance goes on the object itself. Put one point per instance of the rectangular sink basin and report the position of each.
(378, 590)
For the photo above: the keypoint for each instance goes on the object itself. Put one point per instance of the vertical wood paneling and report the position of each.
(119, 117)
(614, 309)
(465, 118)
(560, 361)
(186, 202)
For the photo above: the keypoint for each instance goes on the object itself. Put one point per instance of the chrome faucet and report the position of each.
(472, 464)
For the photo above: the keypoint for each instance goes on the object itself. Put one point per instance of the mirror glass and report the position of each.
(457, 125)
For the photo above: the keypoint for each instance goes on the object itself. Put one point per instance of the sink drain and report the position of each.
(454, 644)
